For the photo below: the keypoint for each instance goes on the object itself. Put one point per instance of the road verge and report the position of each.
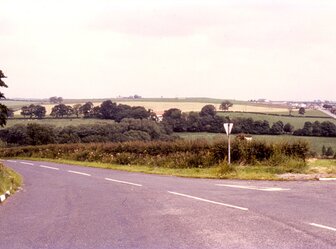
(10, 181)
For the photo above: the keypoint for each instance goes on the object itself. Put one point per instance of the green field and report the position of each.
(296, 121)
(316, 143)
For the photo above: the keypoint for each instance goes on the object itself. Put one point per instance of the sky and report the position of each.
(228, 49)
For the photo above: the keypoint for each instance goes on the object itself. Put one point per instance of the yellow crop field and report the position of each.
(160, 107)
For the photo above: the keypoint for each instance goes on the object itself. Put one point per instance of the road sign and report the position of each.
(228, 128)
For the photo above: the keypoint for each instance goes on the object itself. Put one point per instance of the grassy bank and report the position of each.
(246, 172)
(9, 180)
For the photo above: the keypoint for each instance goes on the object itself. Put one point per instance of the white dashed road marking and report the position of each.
(79, 173)
(48, 167)
(253, 188)
(11, 161)
(327, 179)
(130, 183)
(213, 202)
(322, 226)
(27, 163)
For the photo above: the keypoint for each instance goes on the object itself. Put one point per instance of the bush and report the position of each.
(225, 169)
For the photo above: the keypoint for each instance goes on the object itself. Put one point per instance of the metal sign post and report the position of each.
(228, 129)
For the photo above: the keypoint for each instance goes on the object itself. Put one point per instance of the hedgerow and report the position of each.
(177, 154)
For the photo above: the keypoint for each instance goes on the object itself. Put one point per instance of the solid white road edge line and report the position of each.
(79, 173)
(27, 163)
(48, 167)
(130, 183)
(253, 187)
(322, 226)
(327, 179)
(205, 200)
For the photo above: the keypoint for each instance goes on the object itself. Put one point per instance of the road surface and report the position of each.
(328, 113)
(65, 207)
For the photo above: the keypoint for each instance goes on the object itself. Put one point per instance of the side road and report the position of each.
(63, 206)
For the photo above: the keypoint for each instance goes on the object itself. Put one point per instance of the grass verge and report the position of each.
(322, 166)
(246, 172)
(9, 180)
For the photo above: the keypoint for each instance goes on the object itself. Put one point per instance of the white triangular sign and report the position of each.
(228, 128)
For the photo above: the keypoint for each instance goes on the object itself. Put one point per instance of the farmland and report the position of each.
(242, 109)
(295, 120)
(316, 143)
(160, 107)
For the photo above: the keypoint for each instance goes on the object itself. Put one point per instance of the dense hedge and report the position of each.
(126, 130)
(178, 154)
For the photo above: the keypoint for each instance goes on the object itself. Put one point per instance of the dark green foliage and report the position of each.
(225, 105)
(85, 109)
(126, 130)
(61, 110)
(302, 111)
(329, 152)
(56, 100)
(208, 110)
(33, 111)
(174, 118)
(324, 129)
(288, 128)
(249, 126)
(177, 154)
(3, 108)
(277, 128)
(40, 134)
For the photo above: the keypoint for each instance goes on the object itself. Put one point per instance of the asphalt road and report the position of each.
(63, 206)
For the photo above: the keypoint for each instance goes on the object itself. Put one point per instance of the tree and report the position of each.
(32, 110)
(108, 109)
(86, 109)
(290, 110)
(208, 110)
(76, 109)
(25, 111)
(39, 111)
(329, 152)
(174, 118)
(288, 128)
(61, 110)
(302, 110)
(277, 128)
(56, 100)
(3, 108)
(327, 106)
(10, 113)
(225, 105)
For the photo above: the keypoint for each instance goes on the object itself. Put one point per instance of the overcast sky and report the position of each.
(281, 50)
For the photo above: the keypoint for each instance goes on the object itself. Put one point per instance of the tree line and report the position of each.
(207, 120)
(126, 130)
(107, 110)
